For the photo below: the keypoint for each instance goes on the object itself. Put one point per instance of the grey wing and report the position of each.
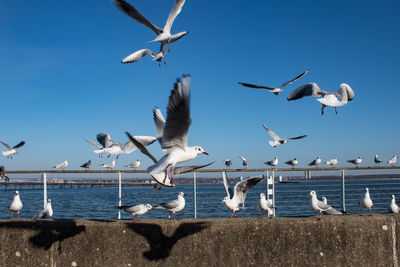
(129, 146)
(186, 169)
(42, 214)
(309, 89)
(93, 143)
(133, 13)
(172, 15)
(141, 147)
(298, 137)
(104, 139)
(6, 145)
(160, 123)
(19, 144)
(272, 133)
(169, 205)
(138, 55)
(295, 79)
(256, 86)
(134, 209)
(333, 211)
(146, 140)
(229, 191)
(178, 115)
(324, 206)
(242, 187)
(343, 89)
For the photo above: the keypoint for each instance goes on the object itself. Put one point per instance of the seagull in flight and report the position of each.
(335, 99)
(237, 196)
(11, 150)
(277, 140)
(173, 206)
(104, 141)
(138, 55)
(275, 90)
(164, 35)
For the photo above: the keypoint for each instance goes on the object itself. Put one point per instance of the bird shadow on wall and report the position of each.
(160, 244)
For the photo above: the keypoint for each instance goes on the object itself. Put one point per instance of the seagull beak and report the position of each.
(205, 153)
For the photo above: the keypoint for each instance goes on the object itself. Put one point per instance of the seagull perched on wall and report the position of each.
(317, 205)
(273, 162)
(315, 162)
(332, 162)
(133, 165)
(344, 93)
(292, 162)
(392, 160)
(16, 204)
(46, 213)
(227, 162)
(237, 196)
(265, 205)
(11, 150)
(356, 161)
(366, 202)
(61, 165)
(377, 160)
(277, 140)
(245, 162)
(173, 206)
(274, 90)
(393, 206)
(164, 35)
(332, 211)
(108, 165)
(87, 165)
(136, 210)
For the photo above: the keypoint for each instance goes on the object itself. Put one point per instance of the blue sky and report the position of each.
(62, 80)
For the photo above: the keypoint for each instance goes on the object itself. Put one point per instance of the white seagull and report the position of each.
(87, 165)
(16, 204)
(104, 140)
(366, 202)
(317, 205)
(245, 162)
(266, 205)
(61, 165)
(164, 35)
(332, 211)
(315, 162)
(133, 165)
(108, 165)
(377, 160)
(273, 162)
(11, 150)
(332, 162)
(173, 206)
(344, 93)
(237, 196)
(393, 206)
(292, 162)
(392, 160)
(275, 90)
(227, 162)
(46, 213)
(138, 55)
(136, 210)
(356, 161)
(277, 140)
(173, 132)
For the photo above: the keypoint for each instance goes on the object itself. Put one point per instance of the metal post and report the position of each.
(119, 195)
(44, 176)
(343, 192)
(195, 195)
(305, 175)
(273, 191)
(267, 175)
(309, 174)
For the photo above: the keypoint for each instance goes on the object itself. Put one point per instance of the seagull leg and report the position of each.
(169, 49)
(159, 65)
(155, 186)
(18, 215)
(262, 214)
(159, 189)
(166, 174)
(335, 110)
(322, 109)
(117, 156)
(172, 176)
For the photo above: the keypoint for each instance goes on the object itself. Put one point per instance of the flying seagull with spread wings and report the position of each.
(275, 90)
(11, 150)
(277, 140)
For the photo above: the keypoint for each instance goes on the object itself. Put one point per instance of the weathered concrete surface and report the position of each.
(332, 241)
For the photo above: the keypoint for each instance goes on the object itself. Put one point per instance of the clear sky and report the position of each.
(61, 78)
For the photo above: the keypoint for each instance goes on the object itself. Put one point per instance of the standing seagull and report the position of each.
(173, 132)
(366, 202)
(315, 162)
(317, 205)
(245, 162)
(332, 211)
(292, 162)
(227, 162)
(275, 90)
(11, 150)
(133, 165)
(344, 93)
(393, 160)
(61, 165)
(173, 206)
(16, 204)
(266, 205)
(273, 162)
(136, 210)
(356, 161)
(377, 160)
(164, 36)
(393, 206)
(277, 140)
(332, 162)
(87, 165)
(46, 213)
(237, 196)
(108, 165)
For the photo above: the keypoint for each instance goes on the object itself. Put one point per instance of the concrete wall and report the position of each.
(332, 241)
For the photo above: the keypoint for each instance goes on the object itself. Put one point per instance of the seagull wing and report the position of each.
(6, 145)
(178, 116)
(309, 89)
(42, 214)
(186, 169)
(141, 147)
(295, 79)
(169, 205)
(229, 191)
(298, 137)
(138, 55)
(133, 13)
(19, 144)
(160, 123)
(256, 86)
(93, 143)
(243, 158)
(172, 15)
(343, 90)
(104, 139)
(272, 133)
(242, 187)
(134, 209)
